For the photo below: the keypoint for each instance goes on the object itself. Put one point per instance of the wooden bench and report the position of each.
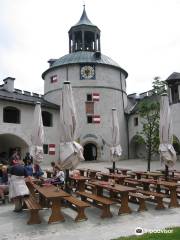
(141, 200)
(79, 206)
(131, 182)
(155, 197)
(89, 187)
(34, 208)
(98, 201)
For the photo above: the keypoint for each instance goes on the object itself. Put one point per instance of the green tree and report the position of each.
(148, 110)
(159, 86)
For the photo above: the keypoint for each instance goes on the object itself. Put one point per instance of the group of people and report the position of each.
(13, 178)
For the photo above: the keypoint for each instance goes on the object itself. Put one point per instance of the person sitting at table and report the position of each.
(59, 177)
(29, 167)
(52, 171)
(17, 185)
(4, 183)
(37, 171)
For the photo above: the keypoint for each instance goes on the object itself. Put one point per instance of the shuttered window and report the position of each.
(89, 107)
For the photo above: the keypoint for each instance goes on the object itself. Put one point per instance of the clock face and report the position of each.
(87, 72)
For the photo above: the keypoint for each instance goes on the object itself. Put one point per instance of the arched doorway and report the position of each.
(137, 148)
(9, 142)
(90, 152)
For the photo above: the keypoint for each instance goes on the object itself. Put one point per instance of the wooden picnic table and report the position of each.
(121, 189)
(172, 186)
(154, 175)
(83, 171)
(79, 182)
(92, 173)
(146, 183)
(54, 195)
(112, 170)
(119, 178)
(123, 170)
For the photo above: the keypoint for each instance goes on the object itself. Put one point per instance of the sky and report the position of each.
(142, 36)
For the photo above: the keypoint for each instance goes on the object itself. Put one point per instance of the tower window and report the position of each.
(11, 115)
(47, 119)
(45, 148)
(89, 119)
(54, 79)
(89, 97)
(136, 121)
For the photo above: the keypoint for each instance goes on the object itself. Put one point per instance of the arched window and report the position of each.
(176, 144)
(11, 115)
(47, 119)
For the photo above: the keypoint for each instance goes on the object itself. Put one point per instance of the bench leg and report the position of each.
(106, 211)
(80, 214)
(83, 198)
(142, 205)
(34, 217)
(160, 204)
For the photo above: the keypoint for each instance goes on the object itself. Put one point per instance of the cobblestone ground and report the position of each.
(13, 225)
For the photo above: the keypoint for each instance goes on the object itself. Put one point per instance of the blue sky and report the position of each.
(141, 35)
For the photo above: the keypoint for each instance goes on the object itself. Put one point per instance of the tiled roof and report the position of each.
(83, 57)
(174, 76)
(26, 98)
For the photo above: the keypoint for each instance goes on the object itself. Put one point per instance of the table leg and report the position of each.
(124, 204)
(81, 186)
(56, 214)
(173, 198)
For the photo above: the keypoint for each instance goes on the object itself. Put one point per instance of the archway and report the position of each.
(176, 144)
(137, 148)
(9, 142)
(90, 152)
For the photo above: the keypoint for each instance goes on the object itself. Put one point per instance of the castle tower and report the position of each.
(99, 84)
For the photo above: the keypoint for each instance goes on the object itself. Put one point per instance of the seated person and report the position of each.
(37, 171)
(59, 177)
(17, 185)
(4, 183)
(28, 158)
(29, 167)
(52, 172)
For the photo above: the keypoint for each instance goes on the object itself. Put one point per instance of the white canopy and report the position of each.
(115, 149)
(37, 135)
(166, 150)
(70, 151)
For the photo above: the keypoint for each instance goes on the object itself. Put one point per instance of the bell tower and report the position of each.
(84, 36)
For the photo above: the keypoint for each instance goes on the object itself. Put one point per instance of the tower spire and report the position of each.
(84, 36)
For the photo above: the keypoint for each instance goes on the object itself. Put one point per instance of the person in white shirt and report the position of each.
(59, 178)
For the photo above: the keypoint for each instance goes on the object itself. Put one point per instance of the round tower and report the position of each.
(173, 82)
(99, 84)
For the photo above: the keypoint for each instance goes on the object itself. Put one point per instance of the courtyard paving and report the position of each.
(13, 225)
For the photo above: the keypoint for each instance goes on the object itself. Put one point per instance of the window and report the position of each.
(175, 94)
(136, 121)
(89, 107)
(47, 119)
(45, 148)
(93, 97)
(11, 115)
(89, 97)
(93, 119)
(54, 79)
(89, 119)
